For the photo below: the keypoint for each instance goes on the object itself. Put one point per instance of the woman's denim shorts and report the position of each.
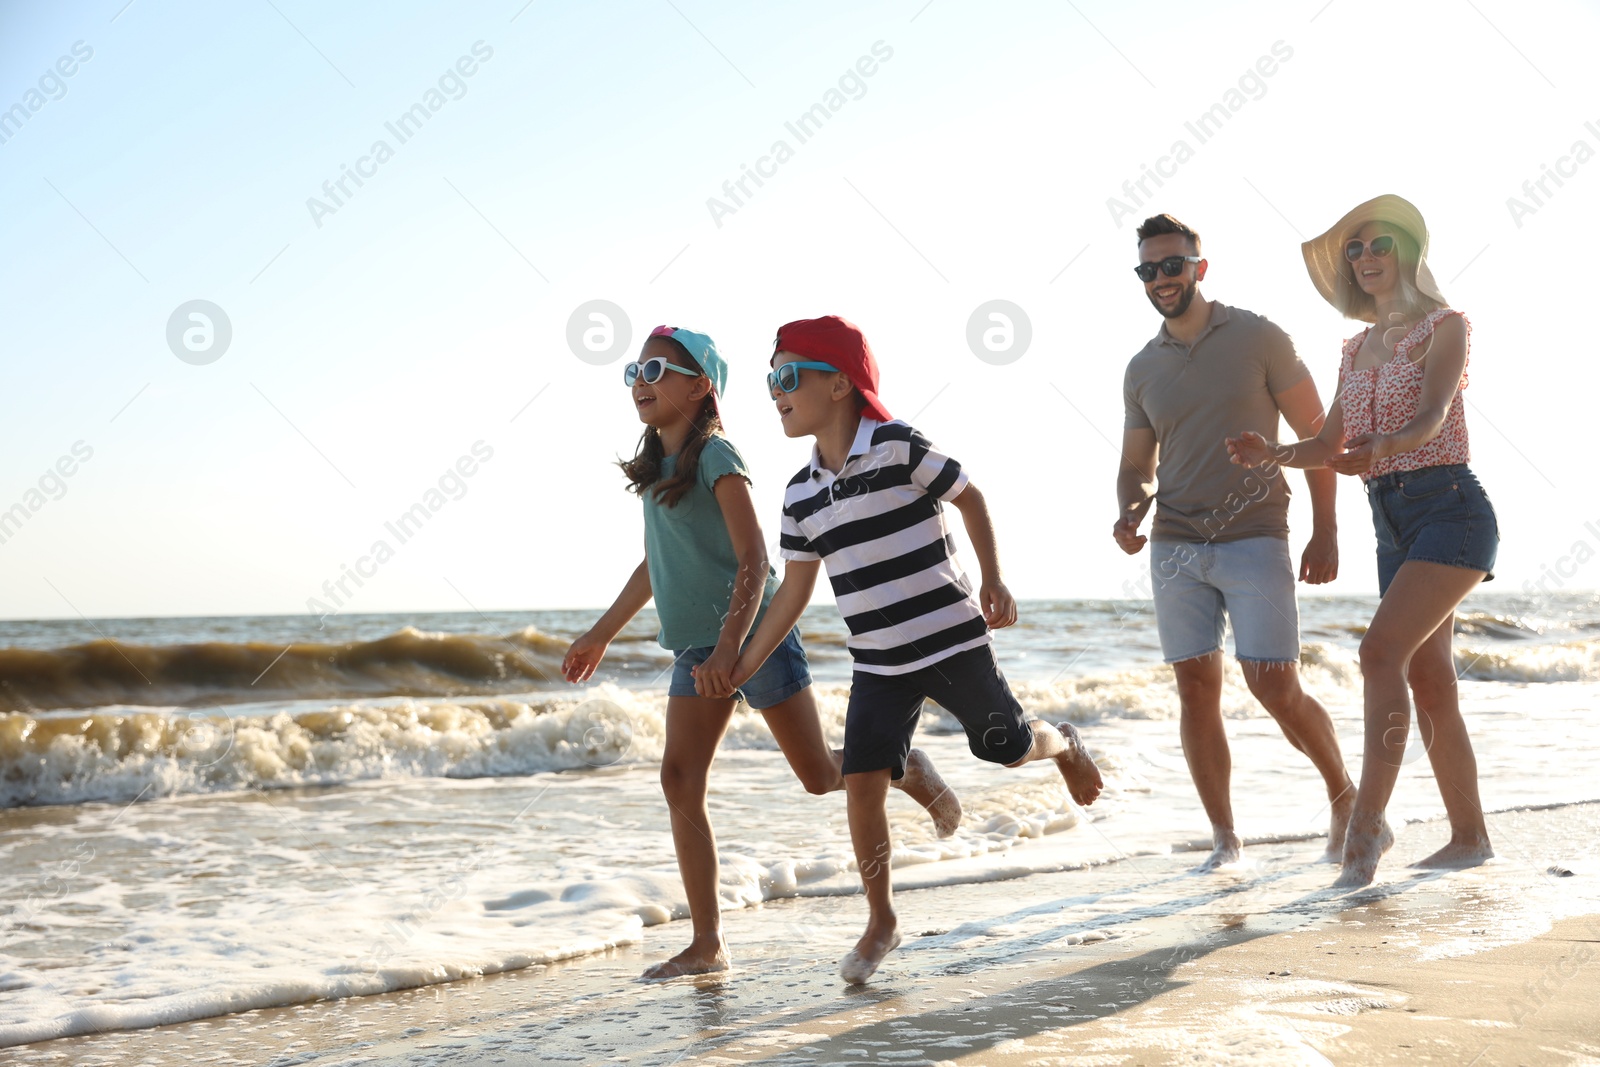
(783, 675)
(1434, 515)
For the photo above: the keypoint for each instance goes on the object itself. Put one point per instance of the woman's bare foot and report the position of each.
(1367, 838)
(1082, 776)
(1227, 849)
(923, 784)
(1338, 822)
(862, 961)
(698, 958)
(1458, 855)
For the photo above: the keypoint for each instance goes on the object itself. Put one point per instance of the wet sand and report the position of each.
(1139, 961)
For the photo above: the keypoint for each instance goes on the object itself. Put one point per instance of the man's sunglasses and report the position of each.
(1172, 266)
(651, 371)
(787, 376)
(1380, 247)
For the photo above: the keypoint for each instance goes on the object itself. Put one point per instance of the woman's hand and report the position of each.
(714, 677)
(579, 664)
(1249, 449)
(1360, 453)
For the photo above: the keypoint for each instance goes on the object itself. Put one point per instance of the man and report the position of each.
(1220, 536)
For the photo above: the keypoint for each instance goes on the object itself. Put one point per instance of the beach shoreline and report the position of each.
(1145, 962)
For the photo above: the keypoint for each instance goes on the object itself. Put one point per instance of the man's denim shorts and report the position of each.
(1435, 515)
(783, 675)
(1201, 585)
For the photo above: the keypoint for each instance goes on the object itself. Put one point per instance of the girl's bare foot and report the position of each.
(1082, 776)
(923, 784)
(1228, 848)
(696, 959)
(1367, 838)
(862, 961)
(1342, 806)
(1458, 855)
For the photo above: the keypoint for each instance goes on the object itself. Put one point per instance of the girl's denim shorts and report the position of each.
(1434, 515)
(783, 675)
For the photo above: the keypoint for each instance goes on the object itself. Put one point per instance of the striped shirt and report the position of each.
(879, 527)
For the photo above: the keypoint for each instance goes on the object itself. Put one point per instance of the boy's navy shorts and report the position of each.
(884, 709)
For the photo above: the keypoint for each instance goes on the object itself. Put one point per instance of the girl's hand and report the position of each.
(999, 607)
(579, 664)
(1249, 449)
(1360, 453)
(714, 677)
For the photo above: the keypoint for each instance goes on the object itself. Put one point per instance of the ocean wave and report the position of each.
(406, 663)
(1571, 661)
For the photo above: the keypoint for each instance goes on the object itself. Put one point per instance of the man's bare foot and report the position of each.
(1367, 838)
(1227, 849)
(923, 784)
(1458, 855)
(1082, 776)
(695, 959)
(862, 961)
(1342, 805)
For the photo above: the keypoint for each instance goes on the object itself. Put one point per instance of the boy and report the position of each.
(869, 504)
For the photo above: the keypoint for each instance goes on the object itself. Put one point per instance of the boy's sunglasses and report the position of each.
(651, 371)
(1172, 266)
(787, 376)
(1380, 247)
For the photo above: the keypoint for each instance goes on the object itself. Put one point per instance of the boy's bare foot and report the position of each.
(862, 961)
(1458, 855)
(1367, 838)
(1227, 849)
(696, 959)
(1342, 806)
(1082, 776)
(923, 784)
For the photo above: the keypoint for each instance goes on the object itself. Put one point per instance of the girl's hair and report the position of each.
(643, 471)
(1414, 304)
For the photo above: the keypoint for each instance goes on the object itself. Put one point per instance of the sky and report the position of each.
(418, 338)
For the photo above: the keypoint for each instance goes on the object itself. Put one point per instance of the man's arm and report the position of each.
(999, 607)
(1302, 410)
(1136, 486)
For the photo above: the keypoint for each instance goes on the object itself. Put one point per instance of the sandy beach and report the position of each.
(1260, 964)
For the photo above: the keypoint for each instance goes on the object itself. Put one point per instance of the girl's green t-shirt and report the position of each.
(691, 557)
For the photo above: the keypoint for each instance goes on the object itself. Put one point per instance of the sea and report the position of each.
(204, 816)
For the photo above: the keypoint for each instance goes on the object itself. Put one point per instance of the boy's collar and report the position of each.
(858, 447)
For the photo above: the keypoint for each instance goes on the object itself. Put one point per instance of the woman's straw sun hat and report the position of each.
(1330, 272)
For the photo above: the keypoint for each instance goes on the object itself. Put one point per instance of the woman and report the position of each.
(1399, 424)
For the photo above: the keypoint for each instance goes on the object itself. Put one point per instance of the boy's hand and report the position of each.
(714, 677)
(999, 606)
(579, 664)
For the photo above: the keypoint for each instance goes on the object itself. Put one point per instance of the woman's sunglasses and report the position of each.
(1172, 266)
(651, 371)
(787, 376)
(1380, 247)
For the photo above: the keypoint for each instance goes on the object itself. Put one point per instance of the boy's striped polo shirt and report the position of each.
(879, 527)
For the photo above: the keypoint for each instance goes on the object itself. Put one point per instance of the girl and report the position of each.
(706, 566)
(1399, 424)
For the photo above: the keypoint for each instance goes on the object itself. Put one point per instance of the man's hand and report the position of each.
(999, 606)
(1126, 532)
(1319, 564)
(579, 664)
(714, 677)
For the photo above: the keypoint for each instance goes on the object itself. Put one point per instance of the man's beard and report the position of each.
(1184, 300)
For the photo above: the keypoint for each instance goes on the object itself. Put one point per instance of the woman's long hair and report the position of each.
(643, 471)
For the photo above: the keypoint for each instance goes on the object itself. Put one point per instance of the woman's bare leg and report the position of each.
(1421, 598)
(1444, 734)
(695, 726)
